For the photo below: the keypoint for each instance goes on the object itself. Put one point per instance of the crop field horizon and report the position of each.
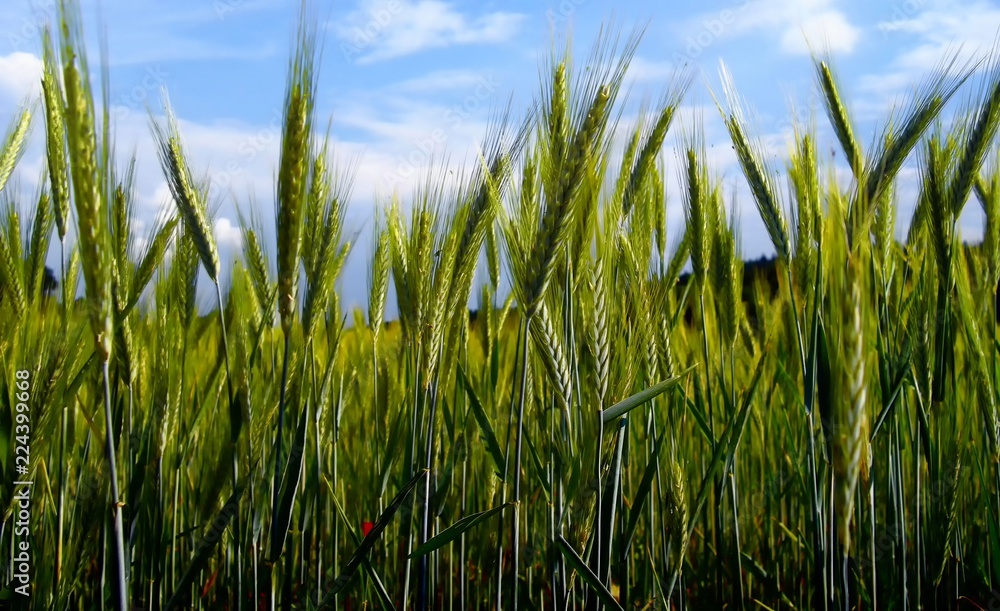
(621, 421)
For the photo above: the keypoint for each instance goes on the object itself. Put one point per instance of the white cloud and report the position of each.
(943, 27)
(797, 25)
(20, 76)
(174, 49)
(228, 235)
(441, 80)
(146, 34)
(926, 33)
(643, 70)
(406, 129)
(380, 30)
(828, 30)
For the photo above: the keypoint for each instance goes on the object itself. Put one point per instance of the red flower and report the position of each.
(366, 527)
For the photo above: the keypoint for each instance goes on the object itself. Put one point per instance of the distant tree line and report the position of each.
(763, 272)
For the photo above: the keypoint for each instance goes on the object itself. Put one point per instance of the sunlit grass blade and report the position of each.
(383, 595)
(456, 530)
(291, 474)
(577, 564)
(485, 427)
(642, 492)
(626, 405)
(347, 573)
(206, 546)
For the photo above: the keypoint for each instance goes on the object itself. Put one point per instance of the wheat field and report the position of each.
(613, 432)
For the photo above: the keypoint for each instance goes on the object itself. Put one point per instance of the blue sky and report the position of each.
(417, 80)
